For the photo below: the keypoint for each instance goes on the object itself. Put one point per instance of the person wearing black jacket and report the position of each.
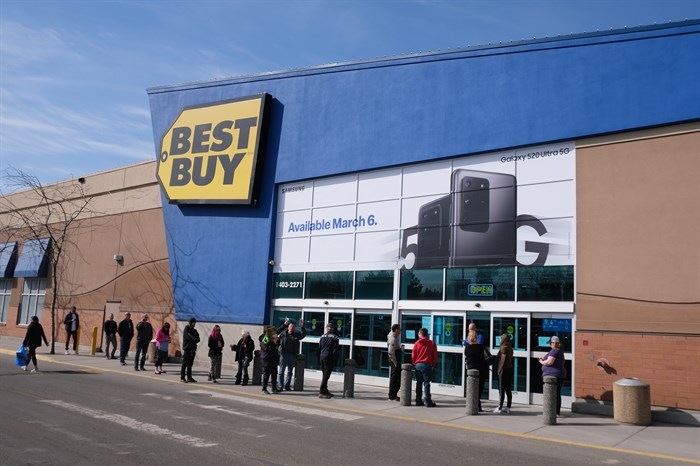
(289, 349)
(216, 345)
(244, 355)
(270, 357)
(32, 340)
(144, 335)
(328, 348)
(72, 324)
(476, 359)
(190, 338)
(126, 333)
(110, 329)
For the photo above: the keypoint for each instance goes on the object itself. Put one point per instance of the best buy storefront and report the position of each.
(431, 190)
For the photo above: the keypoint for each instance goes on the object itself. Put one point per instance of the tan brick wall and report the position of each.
(670, 364)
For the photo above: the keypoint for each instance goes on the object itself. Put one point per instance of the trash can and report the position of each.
(632, 402)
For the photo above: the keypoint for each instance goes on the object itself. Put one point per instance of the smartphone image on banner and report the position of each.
(433, 243)
(483, 212)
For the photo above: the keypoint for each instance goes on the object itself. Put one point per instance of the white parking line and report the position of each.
(278, 405)
(132, 424)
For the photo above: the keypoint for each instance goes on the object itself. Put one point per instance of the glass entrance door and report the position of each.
(517, 326)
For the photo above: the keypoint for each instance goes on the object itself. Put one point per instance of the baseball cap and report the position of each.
(554, 339)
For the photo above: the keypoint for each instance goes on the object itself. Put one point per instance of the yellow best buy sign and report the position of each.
(209, 153)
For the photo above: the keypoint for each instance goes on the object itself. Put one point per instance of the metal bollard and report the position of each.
(473, 389)
(349, 380)
(257, 368)
(299, 373)
(406, 384)
(152, 351)
(549, 405)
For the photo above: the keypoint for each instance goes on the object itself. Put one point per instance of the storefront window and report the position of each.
(328, 285)
(343, 323)
(32, 299)
(279, 316)
(480, 284)
(449, 369)
(448, 330)
(544, 329)
(423, 284)
(288, 285)
(410, 324)
(372, 327)
(546, 283)
(315, 323)
(374, 284)
(371, 361)
(5, 292)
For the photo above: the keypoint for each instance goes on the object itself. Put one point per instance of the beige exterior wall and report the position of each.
(124, 218)
(638, 263)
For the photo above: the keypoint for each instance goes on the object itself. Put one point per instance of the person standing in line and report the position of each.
(505, 375)
(110, 329)
(216, 345)
(162, 344)
(190, 338)
(244, 355)
(424, 357)
(270, 358)
(393, 342)
(289, 349)
(72, 324)
(475, 356)
(32, 340)
(126, 333)
(554, 365)
(144, 335)
(328, 348)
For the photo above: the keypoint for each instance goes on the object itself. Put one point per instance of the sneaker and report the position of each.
(191, 380)
(265, 391)
(35, 370)
(157, 372)
(24, 368)
(123, 363)
(431, 405)
(66, 351)
(324, 396)
(497, 411)
(394, 398)
(506, 410)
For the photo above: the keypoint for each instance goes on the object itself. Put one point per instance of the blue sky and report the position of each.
(74, 73)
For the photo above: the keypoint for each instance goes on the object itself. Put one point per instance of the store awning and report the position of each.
(8, 259)
(34, 260)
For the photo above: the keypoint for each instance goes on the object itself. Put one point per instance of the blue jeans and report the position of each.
(287, 361)
(424, 375)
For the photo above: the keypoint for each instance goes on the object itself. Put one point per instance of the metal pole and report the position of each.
(299, 373)
(349, 380)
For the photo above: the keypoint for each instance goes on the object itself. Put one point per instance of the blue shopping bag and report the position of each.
(21, 356)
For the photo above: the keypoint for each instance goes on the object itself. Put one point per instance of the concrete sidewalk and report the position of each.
(675, 442)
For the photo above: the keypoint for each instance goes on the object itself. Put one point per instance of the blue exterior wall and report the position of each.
(365, 115)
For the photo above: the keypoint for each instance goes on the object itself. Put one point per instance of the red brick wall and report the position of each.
(670, 364)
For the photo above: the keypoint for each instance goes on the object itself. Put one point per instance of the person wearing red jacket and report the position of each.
(424, 357)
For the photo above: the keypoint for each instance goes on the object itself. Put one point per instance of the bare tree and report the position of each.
(35, 211)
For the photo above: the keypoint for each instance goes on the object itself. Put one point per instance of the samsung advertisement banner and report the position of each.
(507, 208)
